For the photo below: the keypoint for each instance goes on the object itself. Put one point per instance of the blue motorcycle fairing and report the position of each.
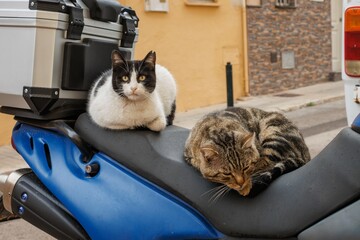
(356, 124)
(116, 203)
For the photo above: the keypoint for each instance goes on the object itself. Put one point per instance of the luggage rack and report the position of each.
(64, 112)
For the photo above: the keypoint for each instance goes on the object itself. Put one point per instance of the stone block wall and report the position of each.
(288, 47)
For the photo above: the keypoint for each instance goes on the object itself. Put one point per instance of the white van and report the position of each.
(351, 57)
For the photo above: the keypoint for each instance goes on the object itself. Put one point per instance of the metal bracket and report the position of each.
(48, 5)
(40, 100)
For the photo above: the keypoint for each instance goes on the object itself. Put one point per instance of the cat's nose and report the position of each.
(239, 179)
(133, 89)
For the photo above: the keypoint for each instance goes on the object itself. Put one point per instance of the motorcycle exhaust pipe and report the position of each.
(25, 196)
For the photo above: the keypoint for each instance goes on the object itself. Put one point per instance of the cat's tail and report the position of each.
(170, 118)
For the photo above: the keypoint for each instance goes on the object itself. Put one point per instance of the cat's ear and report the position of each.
(209, 154)
(117, 58)
(150, 58)
(248, 140)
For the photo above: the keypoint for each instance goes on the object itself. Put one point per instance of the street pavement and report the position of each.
(284, 102)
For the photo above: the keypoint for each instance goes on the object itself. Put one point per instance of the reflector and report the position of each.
(352, 41)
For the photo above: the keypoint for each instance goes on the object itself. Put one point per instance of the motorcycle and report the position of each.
(86, 182)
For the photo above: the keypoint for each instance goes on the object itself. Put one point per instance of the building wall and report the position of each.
(305, 30)
(6, 125)
(194, 43)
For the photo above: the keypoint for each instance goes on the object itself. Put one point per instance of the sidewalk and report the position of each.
(283, 101)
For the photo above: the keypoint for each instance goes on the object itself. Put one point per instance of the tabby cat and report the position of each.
(133, 94)
(245, 148)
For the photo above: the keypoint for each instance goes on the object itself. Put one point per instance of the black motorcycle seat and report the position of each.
(289, 205)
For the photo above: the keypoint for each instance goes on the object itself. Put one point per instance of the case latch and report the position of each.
(76, 18)
(76, 22)
(129, 22)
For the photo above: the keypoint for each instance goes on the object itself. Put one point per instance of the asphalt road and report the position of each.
(319, 125)
(320, 118)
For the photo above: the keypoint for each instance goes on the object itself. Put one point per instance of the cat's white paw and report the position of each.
(158, 124)
(117, 126)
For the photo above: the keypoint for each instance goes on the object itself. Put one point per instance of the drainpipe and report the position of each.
(245, 48)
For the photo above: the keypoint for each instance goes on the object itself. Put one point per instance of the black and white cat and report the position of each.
(133, 94)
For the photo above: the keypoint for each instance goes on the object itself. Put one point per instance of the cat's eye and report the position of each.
(125, 78)
(142, 78)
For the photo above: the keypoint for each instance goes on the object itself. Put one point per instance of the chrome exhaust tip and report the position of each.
(8, 181)
(3, 178)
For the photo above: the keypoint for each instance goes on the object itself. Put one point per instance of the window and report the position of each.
(157, 5)
(288, 59)
(285, 3)
(253, 3)
(209, 3)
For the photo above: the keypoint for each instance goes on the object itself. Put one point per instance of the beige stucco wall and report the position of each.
(6, 125)
(194, 43)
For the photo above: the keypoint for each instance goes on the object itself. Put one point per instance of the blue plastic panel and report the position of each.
(116, 203)
(356, 124)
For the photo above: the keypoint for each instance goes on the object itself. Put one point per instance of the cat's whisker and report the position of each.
(215, 189)
(219, 193)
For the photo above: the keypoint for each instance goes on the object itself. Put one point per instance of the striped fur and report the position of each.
(245, 148)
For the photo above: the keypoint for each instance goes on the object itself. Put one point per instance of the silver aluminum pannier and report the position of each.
(52, 51)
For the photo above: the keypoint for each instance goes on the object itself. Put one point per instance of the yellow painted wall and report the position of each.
(6, 125)
(194, 43)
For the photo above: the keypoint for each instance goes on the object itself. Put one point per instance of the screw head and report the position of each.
(24, 197)
(21, 210)
(92, 169)
(88, 169)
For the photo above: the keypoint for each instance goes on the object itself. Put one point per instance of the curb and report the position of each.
(313, 102)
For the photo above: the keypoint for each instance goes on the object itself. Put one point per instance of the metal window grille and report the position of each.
(285, 3)
(203, 1)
